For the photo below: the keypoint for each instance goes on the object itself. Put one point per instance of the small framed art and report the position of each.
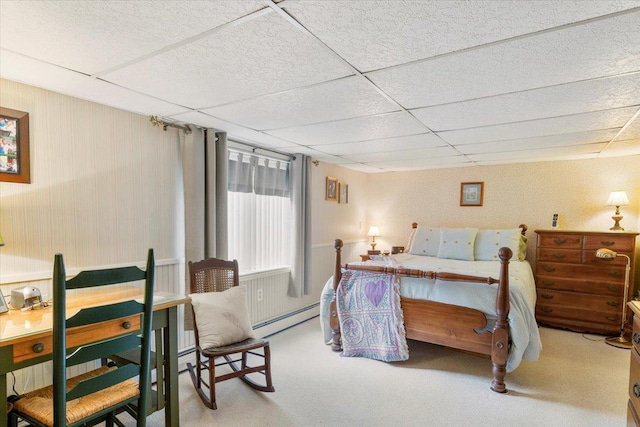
(14, 146)
(471, 193)
(344, 193)
(332, 189)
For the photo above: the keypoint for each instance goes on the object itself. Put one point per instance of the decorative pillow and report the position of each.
(426, 241)
(222, 318)
(457, 243)
(489, 242)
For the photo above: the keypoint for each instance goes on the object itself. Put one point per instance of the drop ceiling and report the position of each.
(374, 86)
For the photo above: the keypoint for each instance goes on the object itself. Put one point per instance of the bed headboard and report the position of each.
(521, 226)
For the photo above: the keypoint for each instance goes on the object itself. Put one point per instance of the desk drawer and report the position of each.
(37, 347)
(634, 381)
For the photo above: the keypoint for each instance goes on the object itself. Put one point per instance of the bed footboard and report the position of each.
(445, 324)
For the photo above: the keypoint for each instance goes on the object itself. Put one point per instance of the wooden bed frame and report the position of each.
(445, 324)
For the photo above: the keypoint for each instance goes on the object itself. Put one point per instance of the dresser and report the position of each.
(633, 407)
(575, 289)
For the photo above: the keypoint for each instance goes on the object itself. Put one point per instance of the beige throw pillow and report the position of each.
(222, 318)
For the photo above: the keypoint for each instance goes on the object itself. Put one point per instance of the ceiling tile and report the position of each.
(359, 129)
(41, 74)
(597, 49)
(373, 35)
(626, 147)
(261, 56)
(607, 119)
(632, 131)
(425, 140)
(339, 99)
(425, 153)
(362, 168)
(556, 152)
(90, 36)
(440, 162)
(572, 98)
(539, 142)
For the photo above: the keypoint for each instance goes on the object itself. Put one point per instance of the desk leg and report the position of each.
(172, 410)
(4, 419)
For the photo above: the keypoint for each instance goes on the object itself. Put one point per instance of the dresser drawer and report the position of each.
(589, 257)
(580, 300)
(634, 380)
(565, 241)
(601, 287)
(635, 335)
(632, 416)
(612, 274)
(572, 256)
(577, 319)
(615, 243)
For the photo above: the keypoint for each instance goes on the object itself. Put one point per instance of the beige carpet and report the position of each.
(578, 381)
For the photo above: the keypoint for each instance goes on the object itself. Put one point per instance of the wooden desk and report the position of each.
(20, 330)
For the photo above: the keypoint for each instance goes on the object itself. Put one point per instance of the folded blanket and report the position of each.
(371, 320)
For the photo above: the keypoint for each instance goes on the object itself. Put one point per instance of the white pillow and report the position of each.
(426, 241)
(457, 243)
(489, 242)
(412, 234)
(222, 318)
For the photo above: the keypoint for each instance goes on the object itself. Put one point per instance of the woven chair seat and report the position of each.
(38, 404)
(246, 345)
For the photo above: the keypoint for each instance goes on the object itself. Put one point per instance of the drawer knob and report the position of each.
(613, 303)
(38, 347)
(126, 325)
(548, 268)
(546, 296)
(636, 338)
(636, 390)
(546, 309)
(615, 289)
(615, 274)
(607, 243)
(548, 282)
(559, 256)
(612, 319)
(559, 241)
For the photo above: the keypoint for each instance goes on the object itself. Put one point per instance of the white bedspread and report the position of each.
(525, 336)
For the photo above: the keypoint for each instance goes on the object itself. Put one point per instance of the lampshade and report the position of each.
(618, 198)
(373, 231)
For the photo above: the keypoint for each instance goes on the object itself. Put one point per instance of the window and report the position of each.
(259, 212)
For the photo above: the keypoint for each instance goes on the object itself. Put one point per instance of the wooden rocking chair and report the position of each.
(215, 275)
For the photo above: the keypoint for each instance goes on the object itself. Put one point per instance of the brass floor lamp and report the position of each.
(620, 341)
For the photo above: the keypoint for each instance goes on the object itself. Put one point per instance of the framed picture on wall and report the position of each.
(344, 193)
(471, 193)
(14, 146)
(332, 189)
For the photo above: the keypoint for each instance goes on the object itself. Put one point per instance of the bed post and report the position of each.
(334, 322)
(500, 344)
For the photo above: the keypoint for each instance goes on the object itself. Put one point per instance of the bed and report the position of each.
(478, 297)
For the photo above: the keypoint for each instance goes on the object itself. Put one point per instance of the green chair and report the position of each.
(101, 394)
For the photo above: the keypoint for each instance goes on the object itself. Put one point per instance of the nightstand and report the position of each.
(364, 258)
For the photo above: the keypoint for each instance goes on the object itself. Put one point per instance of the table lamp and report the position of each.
(621, 341)
(373, 232)
(617, 199)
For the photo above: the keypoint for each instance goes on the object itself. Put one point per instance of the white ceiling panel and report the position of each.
(572, 98)
(261, 56)
(339, 99)
(539, 142)
(593, 50)
(373, 85)
(91, 36)
(632, 131)
(425, 140)
(378, 34)
(41, 74)
(424, 153)
(359, 129)
(607, 119)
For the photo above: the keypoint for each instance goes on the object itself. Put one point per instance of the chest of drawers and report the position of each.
(633, 406)
(575, 289)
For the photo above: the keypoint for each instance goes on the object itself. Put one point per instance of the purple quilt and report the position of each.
(371, 319)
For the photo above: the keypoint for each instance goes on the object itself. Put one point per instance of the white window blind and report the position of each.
(259, 212)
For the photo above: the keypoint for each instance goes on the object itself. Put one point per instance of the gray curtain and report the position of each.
(221, 249)
(241, 173)
(271, 178)
(301, 201)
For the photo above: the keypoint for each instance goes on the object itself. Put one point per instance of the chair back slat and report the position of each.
(110, 276)
(103, 313)
(100, 382)
(96, 351)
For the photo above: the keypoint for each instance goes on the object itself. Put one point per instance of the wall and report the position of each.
(528, 193)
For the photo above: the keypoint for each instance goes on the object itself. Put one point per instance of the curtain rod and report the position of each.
(157, 122)
(254, 148)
